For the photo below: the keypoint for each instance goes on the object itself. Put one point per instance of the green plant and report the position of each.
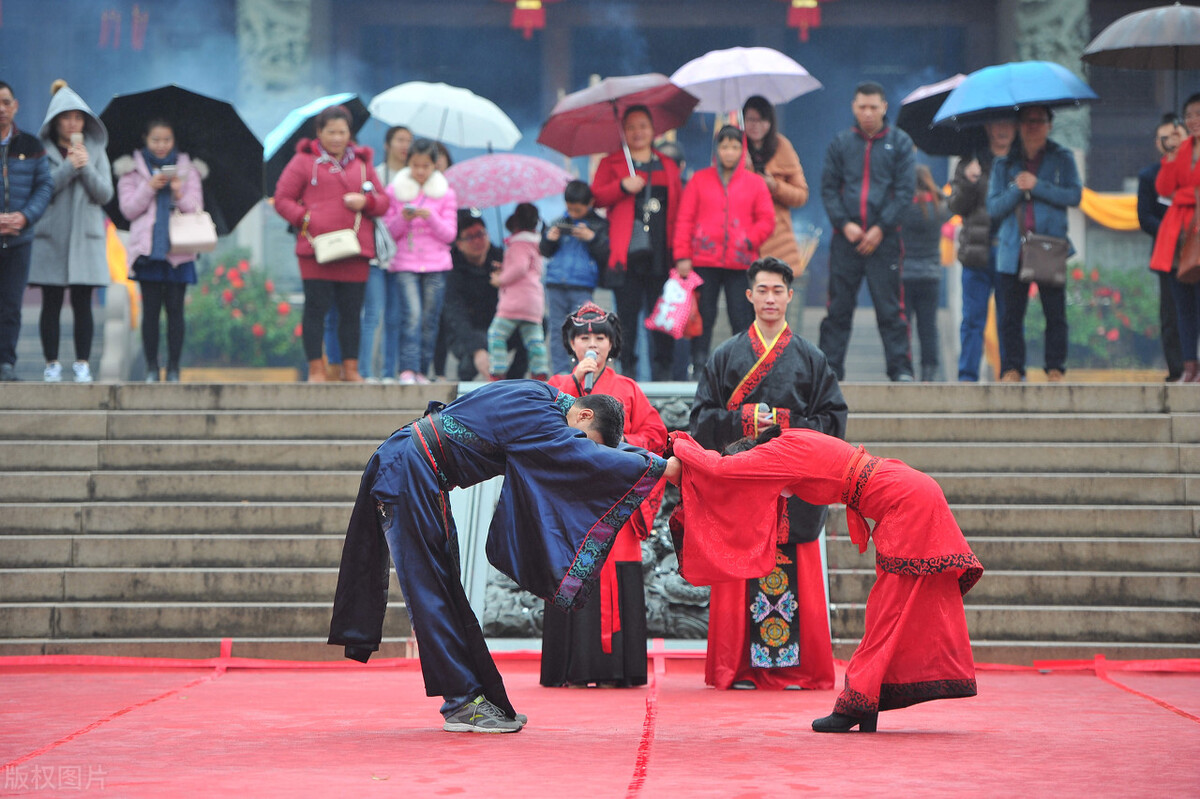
(235, 317)
(1112, 319)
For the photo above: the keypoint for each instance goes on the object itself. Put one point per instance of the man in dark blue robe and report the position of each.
(565, 496)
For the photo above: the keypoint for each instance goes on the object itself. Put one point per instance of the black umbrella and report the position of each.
(1167, 37)
(916, 119)
(280, 144)
(205, 128)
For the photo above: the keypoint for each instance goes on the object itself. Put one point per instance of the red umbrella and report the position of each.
(589, 121)
(501, 178)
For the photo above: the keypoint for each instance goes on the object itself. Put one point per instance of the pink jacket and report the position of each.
(422, 245)
(138, 203)
(521, 295)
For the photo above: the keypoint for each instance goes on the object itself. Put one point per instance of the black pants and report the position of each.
(1168, 320)
(921, 298)
(637, 295)
(1012, 326)
(14, 272)
(882, 270)
(739, 309)
(81, 307)
(156, 296)
(319, 297)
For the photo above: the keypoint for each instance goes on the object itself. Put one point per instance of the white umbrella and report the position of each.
(447, 113)
(724, 79)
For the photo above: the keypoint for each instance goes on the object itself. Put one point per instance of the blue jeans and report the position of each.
(333, 348)
(977, 287)
(421, 295)
(382, 300)
(561, 302)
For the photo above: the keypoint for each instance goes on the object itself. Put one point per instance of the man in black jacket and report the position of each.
(27, 188)
(1150, 210)
(869, 180)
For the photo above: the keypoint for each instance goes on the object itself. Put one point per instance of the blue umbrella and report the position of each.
(1003, 90)
(280, 144)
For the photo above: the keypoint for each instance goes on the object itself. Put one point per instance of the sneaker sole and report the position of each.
(459, 726)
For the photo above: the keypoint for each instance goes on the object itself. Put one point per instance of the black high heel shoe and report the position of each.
(836, 722)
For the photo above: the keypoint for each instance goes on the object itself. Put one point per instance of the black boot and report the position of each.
(836, 722)
(152, 375)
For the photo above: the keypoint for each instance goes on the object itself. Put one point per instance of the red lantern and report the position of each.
(804, 15)
(528, 15)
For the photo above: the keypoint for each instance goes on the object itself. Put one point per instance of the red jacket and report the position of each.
(724, 226)
(296, 197)
(606, 188)
(1178, 180)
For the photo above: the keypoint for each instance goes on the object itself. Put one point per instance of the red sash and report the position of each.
(765, 356)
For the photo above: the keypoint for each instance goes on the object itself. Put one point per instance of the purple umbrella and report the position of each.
(486, 181)
(589, 121)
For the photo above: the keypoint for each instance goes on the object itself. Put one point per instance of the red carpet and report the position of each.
(152, 728)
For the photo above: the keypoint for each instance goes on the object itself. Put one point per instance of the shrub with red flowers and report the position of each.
(1112, 319)
(236, 318)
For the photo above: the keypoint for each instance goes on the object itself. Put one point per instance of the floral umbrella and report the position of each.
(486, 181)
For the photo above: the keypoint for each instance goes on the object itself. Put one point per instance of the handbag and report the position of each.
(1189, 251)
(336, 244)
(191, 233)
(1043, 258)
(677, 312)
(639, 237)
(385, 245)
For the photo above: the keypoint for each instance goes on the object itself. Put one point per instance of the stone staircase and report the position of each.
(155, 520)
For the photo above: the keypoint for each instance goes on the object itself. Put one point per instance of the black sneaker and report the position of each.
(8, 373)
(480, 715)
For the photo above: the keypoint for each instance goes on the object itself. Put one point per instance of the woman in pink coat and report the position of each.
(424, 221)
(522, 301)
(726, 215)
(331, 185)
(150, 182)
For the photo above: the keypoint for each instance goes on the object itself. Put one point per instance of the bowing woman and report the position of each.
(915, 646)
(641, 216)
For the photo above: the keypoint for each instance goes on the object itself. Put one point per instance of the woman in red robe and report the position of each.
(605, 641)
(915, 646)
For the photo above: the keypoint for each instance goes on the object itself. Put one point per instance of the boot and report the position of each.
(350, 371)
(316, 371)
(1191, 372)
(333, 372)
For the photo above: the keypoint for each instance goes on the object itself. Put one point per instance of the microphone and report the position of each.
(590, 378)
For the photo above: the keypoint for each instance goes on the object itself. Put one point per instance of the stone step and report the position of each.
(957, 456)
(1125, 589)
(1055, 554)
(293, 648)
(1055, 623)
(209, 584)
(282, 486)
(225, 396)
(183, 517)
(174, 425)
(163, 551)
(51, 620)
(1015, 428)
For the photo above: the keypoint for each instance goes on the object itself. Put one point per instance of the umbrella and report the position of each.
(280, 144)
(916, 119)
(1167, 37)
(725, 79)
(501, 178)
(589, 121)
(205, 128)
(446, 113)
(1002, 91)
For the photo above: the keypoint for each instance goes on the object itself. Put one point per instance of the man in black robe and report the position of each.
(774, 632)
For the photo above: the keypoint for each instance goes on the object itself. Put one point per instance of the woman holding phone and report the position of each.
(69, 244)
(150, 182)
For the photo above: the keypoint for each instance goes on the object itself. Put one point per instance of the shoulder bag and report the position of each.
(191, 233)
(337, 245)
(1189, 250)
(1043, 258)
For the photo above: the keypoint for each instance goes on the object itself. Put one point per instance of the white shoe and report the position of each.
(408, 378)
(53, 373)
(83, 373)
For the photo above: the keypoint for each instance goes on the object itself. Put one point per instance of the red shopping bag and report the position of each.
(677, 312)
